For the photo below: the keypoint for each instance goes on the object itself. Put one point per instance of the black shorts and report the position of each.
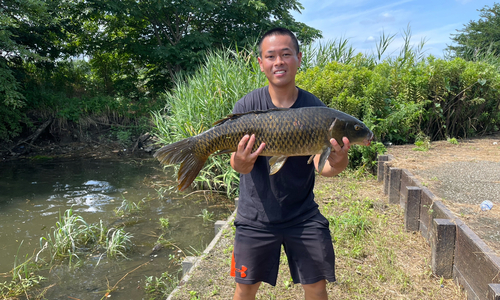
(308, 246)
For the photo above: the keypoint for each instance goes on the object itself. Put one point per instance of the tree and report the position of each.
(479, 37)
(31, 31)
(165, 37)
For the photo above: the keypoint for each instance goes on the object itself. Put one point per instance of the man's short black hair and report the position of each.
(280, 31)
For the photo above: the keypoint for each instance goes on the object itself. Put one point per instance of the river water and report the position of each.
(33, 194)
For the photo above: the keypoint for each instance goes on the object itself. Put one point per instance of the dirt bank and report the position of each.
(99, 141)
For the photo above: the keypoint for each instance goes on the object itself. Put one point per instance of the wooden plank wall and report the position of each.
(474, 265)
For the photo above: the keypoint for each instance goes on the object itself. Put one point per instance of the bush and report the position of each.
(398, 99)
(366, 158)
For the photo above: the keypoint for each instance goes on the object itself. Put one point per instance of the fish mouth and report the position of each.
(369, 139)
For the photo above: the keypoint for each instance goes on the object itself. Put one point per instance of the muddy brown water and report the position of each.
(34, 193)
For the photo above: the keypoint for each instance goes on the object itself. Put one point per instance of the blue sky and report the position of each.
(363, 21)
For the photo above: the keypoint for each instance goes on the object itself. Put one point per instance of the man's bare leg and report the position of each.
(246, 291)
(315, 291)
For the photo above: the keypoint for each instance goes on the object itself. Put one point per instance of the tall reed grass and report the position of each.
(199, 100)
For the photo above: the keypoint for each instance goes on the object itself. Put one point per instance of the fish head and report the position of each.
(355, 130)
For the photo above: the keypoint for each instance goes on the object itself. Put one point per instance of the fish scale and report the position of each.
(286, 132)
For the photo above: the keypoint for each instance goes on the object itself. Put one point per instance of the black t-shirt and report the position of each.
(285, 198)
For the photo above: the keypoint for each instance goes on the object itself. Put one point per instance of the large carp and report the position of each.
(286, 132)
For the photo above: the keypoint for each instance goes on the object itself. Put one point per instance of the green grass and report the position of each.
(23, 277)
(69, 235)
(73, 236)
(161, 287)
(117, 242)
(129, 207)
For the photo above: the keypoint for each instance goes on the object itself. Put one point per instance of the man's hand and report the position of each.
(243, 159)
(338, 159)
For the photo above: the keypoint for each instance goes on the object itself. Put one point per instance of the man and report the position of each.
(280, 209)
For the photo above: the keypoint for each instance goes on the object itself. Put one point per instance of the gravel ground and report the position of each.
(463, 176)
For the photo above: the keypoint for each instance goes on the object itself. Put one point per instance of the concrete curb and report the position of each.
(197, 260)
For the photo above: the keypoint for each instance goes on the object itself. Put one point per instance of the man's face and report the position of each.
(279, 60)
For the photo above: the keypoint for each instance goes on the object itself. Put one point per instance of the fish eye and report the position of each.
(357, 127)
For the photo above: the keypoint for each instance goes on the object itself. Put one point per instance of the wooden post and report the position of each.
(443, 247)
(412, 209)
(493, 291)
(236, 200)
(394, 185)
(380, 171)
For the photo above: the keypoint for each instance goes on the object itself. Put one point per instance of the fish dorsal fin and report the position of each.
(236, 116)
(276, 162)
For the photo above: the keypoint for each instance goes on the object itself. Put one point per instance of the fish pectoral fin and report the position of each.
(323, 157)
(332, 125)
(310, 160)
(276, 162)
(224, 151)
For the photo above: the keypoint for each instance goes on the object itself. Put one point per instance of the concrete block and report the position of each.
(494, 291)
(443, 247)
(412, 208)
(218, 225)
(187, 264)
(406, 178)
(394, 185)
(380, 167)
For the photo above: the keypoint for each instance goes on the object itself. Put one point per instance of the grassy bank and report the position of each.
(375, 257)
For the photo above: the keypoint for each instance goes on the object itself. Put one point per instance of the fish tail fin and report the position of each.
(182, 152)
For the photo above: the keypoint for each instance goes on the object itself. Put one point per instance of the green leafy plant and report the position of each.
(365, 158)
(206, 215)
(422, 142)
(164, 223)
(161, 287)
(452, 141)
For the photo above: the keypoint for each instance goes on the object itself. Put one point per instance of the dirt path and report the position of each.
(463, 176)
